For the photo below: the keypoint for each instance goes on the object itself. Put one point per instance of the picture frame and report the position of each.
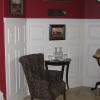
(16, 7)
(57, 32)
(56, 12)
(58, 0)
(98, 0)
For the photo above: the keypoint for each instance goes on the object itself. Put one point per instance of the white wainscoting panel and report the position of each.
(36, 32)
(94, 31)
(38, 41)
(15, 46)
(91, 72)
(32, 36)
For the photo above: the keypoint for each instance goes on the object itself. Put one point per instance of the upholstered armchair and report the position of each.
(42, 83)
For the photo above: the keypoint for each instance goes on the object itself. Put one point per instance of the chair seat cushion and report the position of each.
(53, 75)
(57, 88)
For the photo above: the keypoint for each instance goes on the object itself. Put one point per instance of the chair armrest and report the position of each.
(39, 88)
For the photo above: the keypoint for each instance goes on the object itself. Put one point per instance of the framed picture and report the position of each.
(16, 7)
(56, 12)
(57, 32)
(98, 0)
(58, 0)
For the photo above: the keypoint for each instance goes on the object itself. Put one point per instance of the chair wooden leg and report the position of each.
(64, 95)
(32, 98)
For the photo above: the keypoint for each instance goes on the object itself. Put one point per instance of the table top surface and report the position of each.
(56, 60)
(67, 61)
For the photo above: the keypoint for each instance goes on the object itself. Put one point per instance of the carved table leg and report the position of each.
(67, 69)
(97, 83)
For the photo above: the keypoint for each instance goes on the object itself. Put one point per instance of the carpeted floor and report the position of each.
(78, 93)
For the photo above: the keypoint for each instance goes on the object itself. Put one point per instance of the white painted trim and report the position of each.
(1, 96)
(15, 46)
(29, 20)
(15, 20)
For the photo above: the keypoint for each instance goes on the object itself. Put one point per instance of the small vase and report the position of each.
(58, 53)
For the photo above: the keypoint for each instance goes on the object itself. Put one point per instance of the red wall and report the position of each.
(89, 9)
(39, 8)
(2, 60)
(92, 9)
(2, 50)
(7, 12)
(1, 10)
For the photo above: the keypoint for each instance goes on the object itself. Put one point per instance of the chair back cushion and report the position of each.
(33, 66)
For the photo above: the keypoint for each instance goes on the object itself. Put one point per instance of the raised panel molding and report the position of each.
(71, 45)
(91, 70)
(36, 32)
(94, 31)
(73, 27)
(15, 46)
(73, 31)
(92, 63)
